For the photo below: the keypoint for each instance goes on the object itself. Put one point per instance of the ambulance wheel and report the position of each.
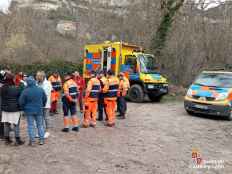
(136, 93)
(229, 118)
(154, 98)
(189, 112)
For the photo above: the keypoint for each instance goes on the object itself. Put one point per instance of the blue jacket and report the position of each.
(33, 98)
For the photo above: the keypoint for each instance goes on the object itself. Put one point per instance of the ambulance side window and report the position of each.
(132, 63)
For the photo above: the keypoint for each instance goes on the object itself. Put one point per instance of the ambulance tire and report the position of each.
(229, 118)
(189, 112)
(136, 93)
(155, 98)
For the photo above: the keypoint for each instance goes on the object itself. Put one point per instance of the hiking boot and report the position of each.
(93, 125)
(31, 144)
(1, 137)
(121, 117)
(46, 135)
(110, 125)
(65, 130)
(18, 141)
(41, 142)
(75, 129)
(8, 141)
(85, 126)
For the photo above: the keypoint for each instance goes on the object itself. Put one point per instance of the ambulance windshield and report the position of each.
(147, 63)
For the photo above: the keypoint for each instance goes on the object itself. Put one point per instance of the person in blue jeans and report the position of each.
(32, 102)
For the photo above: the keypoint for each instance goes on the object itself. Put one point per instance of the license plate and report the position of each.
(201, 107)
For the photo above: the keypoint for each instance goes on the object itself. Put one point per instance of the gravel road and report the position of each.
(156, 138)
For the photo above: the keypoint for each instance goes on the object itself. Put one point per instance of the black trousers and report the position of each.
(1, 126)
(122, 105)
(101, 107)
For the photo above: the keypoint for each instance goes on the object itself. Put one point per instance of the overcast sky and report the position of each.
(4, 5)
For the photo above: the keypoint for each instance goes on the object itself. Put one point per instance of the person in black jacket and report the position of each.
(10, 109)
(2, 81)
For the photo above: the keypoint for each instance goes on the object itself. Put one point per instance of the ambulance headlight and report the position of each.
(150, 86)
(190, 93)
(221, 96)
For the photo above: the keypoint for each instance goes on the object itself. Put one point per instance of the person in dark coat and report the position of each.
(32, 101)
(2, 81)
(10, 109)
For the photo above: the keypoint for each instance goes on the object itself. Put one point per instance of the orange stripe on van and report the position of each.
(205, 88)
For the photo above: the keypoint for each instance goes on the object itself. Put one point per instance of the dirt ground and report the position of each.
(156, 138)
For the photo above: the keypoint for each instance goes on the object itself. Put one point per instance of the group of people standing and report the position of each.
(38, 98)
(21, 97)
(103, 91)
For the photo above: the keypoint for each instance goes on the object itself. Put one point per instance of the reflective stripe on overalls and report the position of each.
(94, 93)
(73, 92)
(56, 86)
(113, 89)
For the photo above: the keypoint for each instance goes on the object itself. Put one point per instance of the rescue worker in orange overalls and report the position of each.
(56, 82)
(111, 89)
(101, 106)
(91, 101)
(69, 100)
(124, 86)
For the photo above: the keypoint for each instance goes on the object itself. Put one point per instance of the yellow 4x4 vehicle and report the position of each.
(211, 93)
(130, 59)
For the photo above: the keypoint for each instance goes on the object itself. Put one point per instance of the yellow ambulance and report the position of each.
(130, 59)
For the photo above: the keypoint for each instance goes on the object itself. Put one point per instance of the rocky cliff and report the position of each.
(40, 30)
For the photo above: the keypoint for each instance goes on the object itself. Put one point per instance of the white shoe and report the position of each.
(46, 135)
(37, 136)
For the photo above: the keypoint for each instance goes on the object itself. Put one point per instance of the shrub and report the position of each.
(61, 66)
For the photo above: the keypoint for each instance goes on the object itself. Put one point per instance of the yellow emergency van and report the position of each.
(211, 94)
(130, 59)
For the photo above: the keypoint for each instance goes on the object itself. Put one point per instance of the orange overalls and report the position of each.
(55, 95)
(69, 100)
(124, 85)
(111, 89)
(91, 102)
